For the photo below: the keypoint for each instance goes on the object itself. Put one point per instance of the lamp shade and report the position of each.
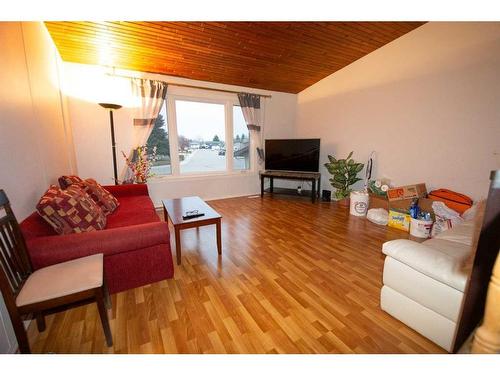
(110, 106)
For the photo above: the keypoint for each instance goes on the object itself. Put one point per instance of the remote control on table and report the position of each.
(192, 216)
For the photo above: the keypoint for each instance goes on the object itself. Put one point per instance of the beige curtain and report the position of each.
(151, 95)
(254, 118)
(250, 106)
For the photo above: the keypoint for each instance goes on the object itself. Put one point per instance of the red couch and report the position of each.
(135, 243)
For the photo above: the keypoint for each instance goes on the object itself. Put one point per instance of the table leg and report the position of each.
(271, 186)
(178, 245)
(261, 186)
(219, 237)
(313, 192)
(319, 187)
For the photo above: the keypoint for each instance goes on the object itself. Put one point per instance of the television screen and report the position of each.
(292, 155)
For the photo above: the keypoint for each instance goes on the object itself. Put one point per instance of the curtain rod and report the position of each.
(192, 86)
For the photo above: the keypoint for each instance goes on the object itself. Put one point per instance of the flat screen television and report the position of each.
(300, 155)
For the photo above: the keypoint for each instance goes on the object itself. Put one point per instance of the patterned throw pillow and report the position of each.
(65, 181)
(101, 196)
(70, 211)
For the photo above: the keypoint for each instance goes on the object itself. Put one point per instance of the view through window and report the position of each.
(201, 136)
(241, 141)
(201, 139)
(159, 139)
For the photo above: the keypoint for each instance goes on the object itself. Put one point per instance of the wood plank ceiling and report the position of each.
(278, 56)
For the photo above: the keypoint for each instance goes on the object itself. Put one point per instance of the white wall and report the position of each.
(35, 140)
(35, 143)
(93, 143)
(427, 103)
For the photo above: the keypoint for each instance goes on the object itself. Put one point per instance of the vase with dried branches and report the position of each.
(141, 164)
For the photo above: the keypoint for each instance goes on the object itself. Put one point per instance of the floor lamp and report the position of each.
(112, 107)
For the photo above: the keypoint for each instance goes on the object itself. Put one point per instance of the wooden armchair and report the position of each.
(26, 292)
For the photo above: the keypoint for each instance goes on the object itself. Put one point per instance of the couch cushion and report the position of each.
(35, 226)
(70, 211)
(461, 233)
(438, 259)
(65, 181)
(101, 196)
(133, 210)
(456, 250)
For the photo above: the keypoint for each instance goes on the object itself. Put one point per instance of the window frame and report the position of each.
(229, 101)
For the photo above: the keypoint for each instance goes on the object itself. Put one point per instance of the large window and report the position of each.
(159, 139)
(201, 136)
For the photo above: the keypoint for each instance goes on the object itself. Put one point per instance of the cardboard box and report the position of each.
(399, 220)
(376, 201)
(425, 205)
(403, 205)
(407, 192)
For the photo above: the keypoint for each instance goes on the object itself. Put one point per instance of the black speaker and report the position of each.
(326, 196)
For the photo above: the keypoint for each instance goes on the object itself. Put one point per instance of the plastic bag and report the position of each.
(446, 218)
(440, 225)
(378, 216)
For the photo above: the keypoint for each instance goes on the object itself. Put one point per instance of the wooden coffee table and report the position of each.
(174, 209)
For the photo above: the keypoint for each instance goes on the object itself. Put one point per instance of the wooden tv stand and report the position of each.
(313, 177)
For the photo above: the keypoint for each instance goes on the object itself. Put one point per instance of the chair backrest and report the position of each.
(14, 261)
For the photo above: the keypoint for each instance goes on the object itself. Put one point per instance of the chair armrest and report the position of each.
(127, 190)
(427, 260)
(45, 251)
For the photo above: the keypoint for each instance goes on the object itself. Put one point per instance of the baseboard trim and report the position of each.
(160, 207)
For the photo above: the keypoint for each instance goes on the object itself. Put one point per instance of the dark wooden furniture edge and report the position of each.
(16, 267)
(484, 259)
(313, 177)
(193, 223)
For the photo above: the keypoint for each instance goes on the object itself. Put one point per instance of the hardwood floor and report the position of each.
(294, 277)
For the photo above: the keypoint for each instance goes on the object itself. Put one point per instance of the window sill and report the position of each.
(204, 176)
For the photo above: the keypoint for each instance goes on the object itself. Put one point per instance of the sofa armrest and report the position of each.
(427, 260)
(48, 250)
(127, 190)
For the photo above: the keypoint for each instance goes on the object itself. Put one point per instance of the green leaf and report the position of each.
(352, 168)
(354, 180)
(331, 169)
(336, 184)
(359, 167)
(339, 178)
(350, 154)
(350, 162)
(332, 159)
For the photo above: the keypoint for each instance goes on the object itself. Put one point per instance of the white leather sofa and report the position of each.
(424, 282)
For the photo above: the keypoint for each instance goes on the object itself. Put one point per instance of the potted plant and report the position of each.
(344, 174)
